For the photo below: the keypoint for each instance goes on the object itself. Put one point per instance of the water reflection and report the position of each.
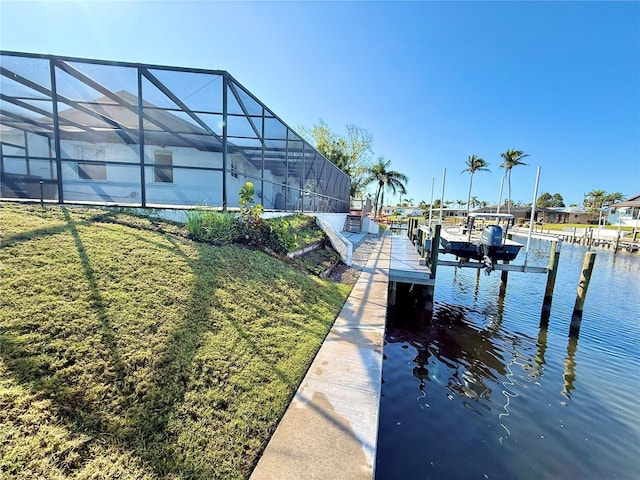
(456, 346)
(473, 351)
(569, 375)
(476, 290)
(468, 354)
(478, 377)
(541, 345)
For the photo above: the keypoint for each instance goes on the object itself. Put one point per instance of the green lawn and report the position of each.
(570, 226)
(129, 351)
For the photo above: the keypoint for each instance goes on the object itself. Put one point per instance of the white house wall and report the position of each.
(625, 216)
(122, 183)
(39, 146)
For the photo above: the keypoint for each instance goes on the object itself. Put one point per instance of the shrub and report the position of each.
(280, 235)
(215, 227)
(194, 223)
(250, 212)
(257, 233)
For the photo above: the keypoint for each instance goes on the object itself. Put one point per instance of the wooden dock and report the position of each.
(407, 266)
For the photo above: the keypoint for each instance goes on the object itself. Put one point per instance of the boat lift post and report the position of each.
(433, 179)
(533, 215)
(583, 286)
(500, 195)
(504, 277)
(444, 177)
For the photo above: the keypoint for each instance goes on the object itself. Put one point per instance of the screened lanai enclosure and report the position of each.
(111, 133)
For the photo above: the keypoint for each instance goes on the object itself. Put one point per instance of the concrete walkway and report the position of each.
(329, 430)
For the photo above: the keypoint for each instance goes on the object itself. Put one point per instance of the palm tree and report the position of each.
(614, 197)
(511, 159)
(385, 178)
(474, 164)
(595, 199)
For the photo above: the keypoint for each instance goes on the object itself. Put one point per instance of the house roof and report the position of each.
(493, 208)
(629, 202)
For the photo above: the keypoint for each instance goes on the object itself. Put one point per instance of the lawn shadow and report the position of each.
(97, 302)
(146, 418)
(144, 434)
(171, 376)
(95, 298)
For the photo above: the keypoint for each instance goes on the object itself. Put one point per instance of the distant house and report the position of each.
(449, 212)
(523, 213)
(625, 213)
(567, 215)
(404, 211)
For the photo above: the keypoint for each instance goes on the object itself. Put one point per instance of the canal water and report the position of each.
(481, 391)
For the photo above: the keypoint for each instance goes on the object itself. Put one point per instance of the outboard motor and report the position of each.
(491, 236)
(490, 243)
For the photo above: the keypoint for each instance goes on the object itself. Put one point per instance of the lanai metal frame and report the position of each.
(53, 99)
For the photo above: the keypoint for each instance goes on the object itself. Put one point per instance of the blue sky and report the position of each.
(433, 82)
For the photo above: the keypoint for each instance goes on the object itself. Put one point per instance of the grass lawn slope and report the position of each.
(129, 351)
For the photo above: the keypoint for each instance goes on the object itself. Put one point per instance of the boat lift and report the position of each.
(426, 240)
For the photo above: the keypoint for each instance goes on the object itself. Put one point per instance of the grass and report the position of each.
(562, 226)
(128, 351)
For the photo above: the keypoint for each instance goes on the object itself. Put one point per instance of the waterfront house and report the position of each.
(567, 215)
(625, 213)
(520, 214)
(402, 211)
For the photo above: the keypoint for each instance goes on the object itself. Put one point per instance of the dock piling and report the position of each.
(435, 244)
(551, 282)
(583, 286)
(504, 276)
(393, 287)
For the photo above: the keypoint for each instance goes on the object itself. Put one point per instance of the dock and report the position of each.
(407, 266)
